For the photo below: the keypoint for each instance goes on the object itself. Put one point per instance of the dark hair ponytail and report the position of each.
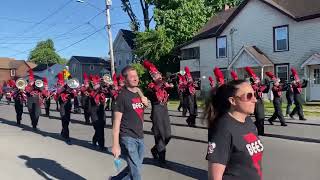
(218, 103)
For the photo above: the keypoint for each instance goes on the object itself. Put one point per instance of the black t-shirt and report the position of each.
(237, 146)
(132, 109)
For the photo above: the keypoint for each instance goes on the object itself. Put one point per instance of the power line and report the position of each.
(82, 39)
(50, 15)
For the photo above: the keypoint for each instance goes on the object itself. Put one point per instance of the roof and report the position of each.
(128, 37)
(257, 55)
(312, 60)
(10, 63)
(31, 65)
(89, 60)
(42, 67)
(298, 10)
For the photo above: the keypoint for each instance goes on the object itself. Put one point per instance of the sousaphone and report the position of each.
(21, 83)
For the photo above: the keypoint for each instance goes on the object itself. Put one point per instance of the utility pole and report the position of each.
(108, 5)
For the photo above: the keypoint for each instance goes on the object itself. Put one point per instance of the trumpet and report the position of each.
(21, 83)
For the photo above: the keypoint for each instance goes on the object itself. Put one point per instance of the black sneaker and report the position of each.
(291, 116)
(271, 123)
(284, 124)
(154, 153)
(302, 119)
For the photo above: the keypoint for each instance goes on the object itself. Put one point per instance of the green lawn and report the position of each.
(313, 110)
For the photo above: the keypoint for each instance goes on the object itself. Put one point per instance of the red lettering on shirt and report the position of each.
(138, 107)
(255, 149)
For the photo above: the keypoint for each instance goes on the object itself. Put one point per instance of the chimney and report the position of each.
(226, 7)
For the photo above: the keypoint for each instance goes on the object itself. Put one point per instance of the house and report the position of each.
(12, 69)
(123, 47)
(50, 71)
(268, 35)
(91, 65)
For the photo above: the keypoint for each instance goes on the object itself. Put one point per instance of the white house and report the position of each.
(268, 35)
(123, 47)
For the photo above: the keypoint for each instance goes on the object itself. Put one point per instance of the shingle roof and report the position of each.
(9, 63)
(42, 67)
(89, 60)
(297, 9)
(31, 65)
(128, 37)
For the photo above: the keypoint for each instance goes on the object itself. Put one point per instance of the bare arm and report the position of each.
(116, 131)
(215, 171)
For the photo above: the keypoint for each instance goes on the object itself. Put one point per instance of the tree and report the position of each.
(143, 75)
(153, 44)
(45, 53)
(135, 24)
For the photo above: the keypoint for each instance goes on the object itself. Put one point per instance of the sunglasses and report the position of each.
(246, 97)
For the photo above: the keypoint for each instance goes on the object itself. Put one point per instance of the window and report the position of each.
(190, 53)
(281, 38)
(120, 63)
(91, 67)
(221, 47)
(316, 76)
(282, 72)
(12, 72)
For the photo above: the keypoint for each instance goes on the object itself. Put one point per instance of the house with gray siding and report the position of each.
(123, 47)
(268, 35)
(91, 65)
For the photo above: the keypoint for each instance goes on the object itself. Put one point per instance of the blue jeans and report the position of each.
(132, 150)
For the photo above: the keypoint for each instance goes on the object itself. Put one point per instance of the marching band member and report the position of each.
(115, 89)
(85, 100)
(34, 100)
(64, 96)
(189, 98)
(259, 89)
(181, 89)
(277, 89)
(157, 93)
(20, 98)
(297, 86)
(97, 105)
(46, 96)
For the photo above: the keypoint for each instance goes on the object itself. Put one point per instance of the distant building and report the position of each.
(91, 65)
(123, 47)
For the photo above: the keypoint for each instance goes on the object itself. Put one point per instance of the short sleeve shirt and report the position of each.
(132, 109)
(237, 146)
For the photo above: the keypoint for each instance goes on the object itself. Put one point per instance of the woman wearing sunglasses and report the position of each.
(234, 149)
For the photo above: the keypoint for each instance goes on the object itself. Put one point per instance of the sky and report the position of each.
(23, 23)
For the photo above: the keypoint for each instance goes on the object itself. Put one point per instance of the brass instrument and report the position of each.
(21, 83)
(73, 83)
(38, 83)
(107, 79)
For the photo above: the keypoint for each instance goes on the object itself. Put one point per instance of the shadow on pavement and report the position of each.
(294, 138)
(189, 171)
(45, 167)
(181, 125)
(57, 136)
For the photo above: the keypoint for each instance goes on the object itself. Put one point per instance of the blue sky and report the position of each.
(22, 25)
